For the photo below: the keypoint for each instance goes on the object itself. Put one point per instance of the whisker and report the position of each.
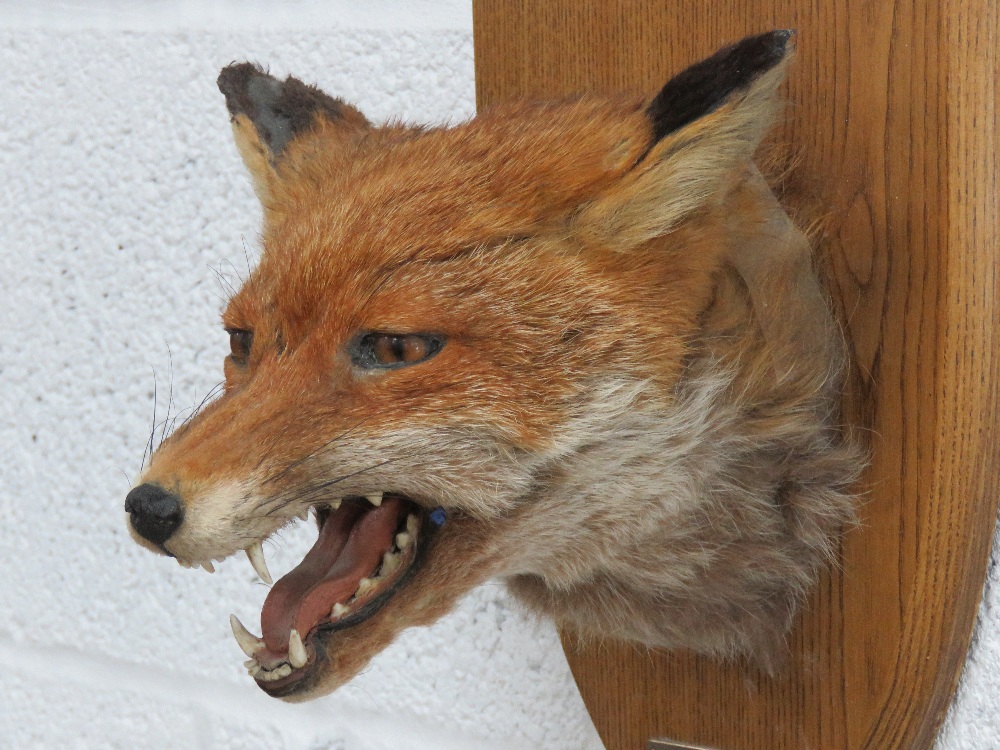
(312, 454)
(323, 486)
(149, 443)
(195, 410)
(170, 397)
(216, 389)
(235, 271)
(273, 504)
(246, 255)
(224, 282)
(173, 424)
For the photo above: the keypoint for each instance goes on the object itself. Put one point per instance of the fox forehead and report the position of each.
(347, 217)
(405, 193)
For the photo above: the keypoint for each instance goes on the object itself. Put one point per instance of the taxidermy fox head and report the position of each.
(577, 346)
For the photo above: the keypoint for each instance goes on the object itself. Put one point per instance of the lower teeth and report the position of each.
(265, 675)
(390, 563)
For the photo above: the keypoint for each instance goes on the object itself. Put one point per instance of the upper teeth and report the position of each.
(249, 643)
(206, 564)
(255, 554)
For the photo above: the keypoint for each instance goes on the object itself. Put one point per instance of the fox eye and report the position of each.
(391, 350)
(240, 342)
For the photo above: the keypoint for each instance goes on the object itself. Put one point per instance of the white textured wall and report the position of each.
(120, 194)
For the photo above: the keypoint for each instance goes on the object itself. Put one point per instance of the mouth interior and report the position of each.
(361, 550)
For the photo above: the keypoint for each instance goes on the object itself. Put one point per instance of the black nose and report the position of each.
(154, 512)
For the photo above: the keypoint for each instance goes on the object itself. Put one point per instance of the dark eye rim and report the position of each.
(246, 345)
(362, 349)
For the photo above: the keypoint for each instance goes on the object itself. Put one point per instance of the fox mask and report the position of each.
(577, 346)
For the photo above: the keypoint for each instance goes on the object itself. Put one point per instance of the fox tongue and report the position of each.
(351, 543)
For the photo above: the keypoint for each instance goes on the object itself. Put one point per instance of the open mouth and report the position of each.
(365, 550)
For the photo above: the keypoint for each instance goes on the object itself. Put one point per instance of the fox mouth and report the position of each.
(366, 550)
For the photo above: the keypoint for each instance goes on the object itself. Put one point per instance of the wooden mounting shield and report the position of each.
(893, 115)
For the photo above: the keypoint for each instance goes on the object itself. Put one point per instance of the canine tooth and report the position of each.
(255, 554)
(248, 642)
(296, 651)
(364, 586)
(339, 610)
(411, 525)
(207, 565)
(390, 561)
(403, 540)
(375, 499)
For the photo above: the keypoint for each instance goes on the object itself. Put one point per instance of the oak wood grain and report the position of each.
(892, 113)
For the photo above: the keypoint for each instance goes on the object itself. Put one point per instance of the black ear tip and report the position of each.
(234, 82)
(784, 36)
(783, 41)
(702, 87)
(765, 50)
(235, 76)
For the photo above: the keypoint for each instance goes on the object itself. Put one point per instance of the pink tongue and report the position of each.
(350, 546)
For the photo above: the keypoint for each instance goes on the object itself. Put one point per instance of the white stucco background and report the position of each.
(122, 201)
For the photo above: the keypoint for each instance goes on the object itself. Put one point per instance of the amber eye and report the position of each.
(391, 350)
(240, 342)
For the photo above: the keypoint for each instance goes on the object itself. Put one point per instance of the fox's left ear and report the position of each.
(268, 115)
(706, 124)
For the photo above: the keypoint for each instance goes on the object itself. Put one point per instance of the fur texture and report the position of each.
(633, 419)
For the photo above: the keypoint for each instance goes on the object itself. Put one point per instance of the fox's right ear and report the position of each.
(705, 125)
(267, 115)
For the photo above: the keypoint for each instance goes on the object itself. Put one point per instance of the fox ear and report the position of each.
(267, 115)
(706, 123)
